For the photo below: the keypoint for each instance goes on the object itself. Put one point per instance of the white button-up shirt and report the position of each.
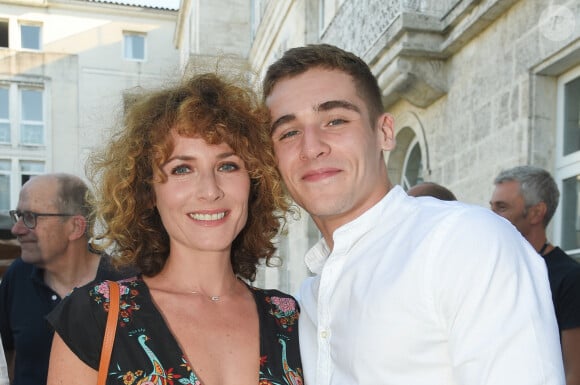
(423, 292)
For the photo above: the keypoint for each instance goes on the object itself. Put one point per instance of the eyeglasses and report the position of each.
(29, 217)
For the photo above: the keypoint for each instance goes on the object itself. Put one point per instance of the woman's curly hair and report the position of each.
(216, 109)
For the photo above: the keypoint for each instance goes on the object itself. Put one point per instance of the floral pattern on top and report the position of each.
(127, 303)
(284, 310)
(146, 353)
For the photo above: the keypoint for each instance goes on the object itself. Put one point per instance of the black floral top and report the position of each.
(146, 353)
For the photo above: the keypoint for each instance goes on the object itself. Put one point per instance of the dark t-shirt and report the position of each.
(146, 350)
(25, 300)
(564, 276)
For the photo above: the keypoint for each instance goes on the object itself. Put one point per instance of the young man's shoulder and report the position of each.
(457, 211)
(465, 226)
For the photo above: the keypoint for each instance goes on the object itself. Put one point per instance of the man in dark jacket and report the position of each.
(52, 225)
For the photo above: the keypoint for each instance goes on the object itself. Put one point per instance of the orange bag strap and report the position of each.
(110, 330)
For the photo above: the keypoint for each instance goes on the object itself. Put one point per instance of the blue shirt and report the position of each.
(25, 300)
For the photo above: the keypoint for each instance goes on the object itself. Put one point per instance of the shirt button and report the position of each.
(54, 297)
(323, 334)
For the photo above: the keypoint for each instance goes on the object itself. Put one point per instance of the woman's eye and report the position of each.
(228, 167)
(179, 170)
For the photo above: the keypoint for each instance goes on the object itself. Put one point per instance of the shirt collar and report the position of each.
(346, 235)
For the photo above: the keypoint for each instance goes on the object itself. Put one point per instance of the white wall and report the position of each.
(84, 73)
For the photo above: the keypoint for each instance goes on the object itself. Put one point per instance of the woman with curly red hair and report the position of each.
(189, 194)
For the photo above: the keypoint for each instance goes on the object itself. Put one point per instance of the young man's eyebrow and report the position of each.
(332, 104)
(326, 106)
(280, 121)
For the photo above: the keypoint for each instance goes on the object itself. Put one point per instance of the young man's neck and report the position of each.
(328, 226)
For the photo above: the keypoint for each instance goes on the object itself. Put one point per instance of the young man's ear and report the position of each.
(386, 131)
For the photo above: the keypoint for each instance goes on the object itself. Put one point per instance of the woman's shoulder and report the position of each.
(268, 294)
(96, 294)
(128, 287)
(133, 294)
(100, 288)
(281, 306)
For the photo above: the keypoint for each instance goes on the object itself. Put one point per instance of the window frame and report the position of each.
(15, 111)
(7, 172)
(21, 121)
(407, 184)
(6, 22)
(22, 24)
(133, 34)
(566, 166)
(8, 119)
(16, 175)
(32, 172)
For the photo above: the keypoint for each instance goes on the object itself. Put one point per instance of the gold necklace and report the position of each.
(213, 298)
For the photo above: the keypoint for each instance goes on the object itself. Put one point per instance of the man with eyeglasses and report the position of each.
(52, 225)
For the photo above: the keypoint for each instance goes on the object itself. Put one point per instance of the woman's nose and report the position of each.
(209, 188)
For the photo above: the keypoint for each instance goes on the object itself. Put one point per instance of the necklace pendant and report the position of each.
(215, 298)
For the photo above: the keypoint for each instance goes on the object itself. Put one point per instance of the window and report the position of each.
(408, 163)
(4, 115)
(22, 136)
(571, 116)
(567, 173)
(4, 33)
(12, 181)
(5, 185)
(571, 213)
(30, 36)
(22, 120)
(413, 167)
(30, 168)
(134, 46)
(31, 117)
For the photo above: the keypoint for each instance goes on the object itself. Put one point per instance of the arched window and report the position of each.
(408, 163)
(413, 166)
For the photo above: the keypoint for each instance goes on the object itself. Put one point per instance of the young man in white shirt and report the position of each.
(406, 291)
